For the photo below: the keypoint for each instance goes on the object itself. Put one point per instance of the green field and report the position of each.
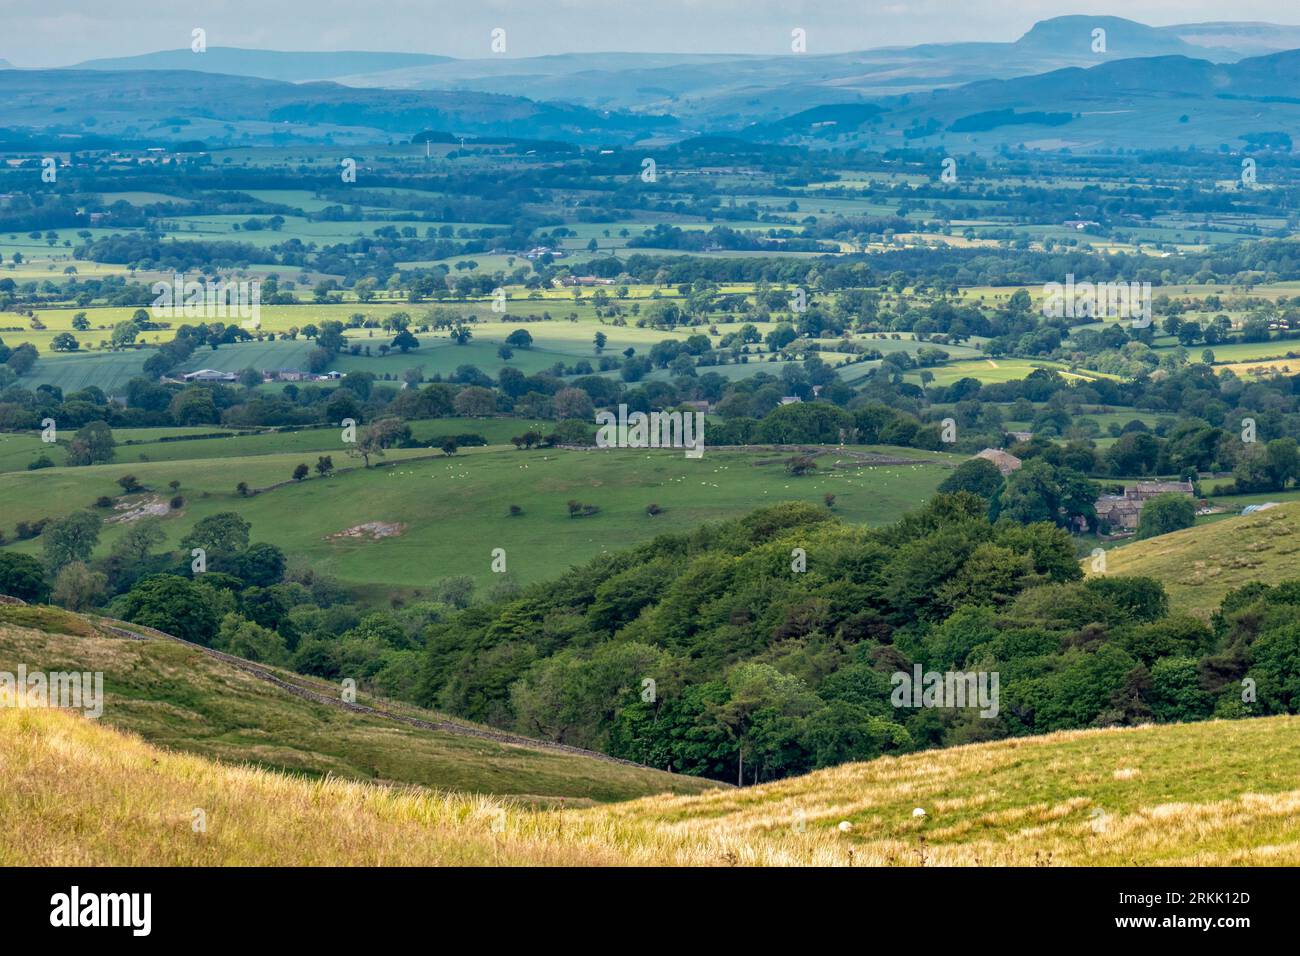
(455, 511)
(998, 370)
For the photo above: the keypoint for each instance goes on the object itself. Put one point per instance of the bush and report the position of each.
(800, 465)
(1165, 513)
(177, 502)
(22, 576)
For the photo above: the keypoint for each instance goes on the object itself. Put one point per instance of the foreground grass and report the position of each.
(1199, 565)
(80, 793)
(177, 697)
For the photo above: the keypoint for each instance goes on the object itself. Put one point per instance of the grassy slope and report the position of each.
(457, 509)
(1200, 565)
(1216, 793)
(177, 697)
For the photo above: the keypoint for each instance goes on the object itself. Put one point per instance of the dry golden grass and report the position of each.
(1199, 565)
(78, 792)
(179, 698)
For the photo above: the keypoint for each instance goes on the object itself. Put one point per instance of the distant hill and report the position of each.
(1150, 86)
(138, 104)
(1200, 565)
(185, 698)
(1073, 36)
(1209, 794)
(712, 91)
(1246, 39)
(831, 118)
(267, 64)
(1147, 102)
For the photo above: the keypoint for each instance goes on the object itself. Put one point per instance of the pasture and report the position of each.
(452, 512)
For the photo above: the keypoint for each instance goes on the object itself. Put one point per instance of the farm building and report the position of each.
(580, 281)
(1005, 461)
(209, 375)
(1122, 512)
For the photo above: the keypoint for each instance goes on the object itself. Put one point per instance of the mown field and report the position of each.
(453, 512)
(1208, 794)
(177, 697)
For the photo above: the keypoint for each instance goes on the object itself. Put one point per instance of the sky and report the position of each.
(43, 33)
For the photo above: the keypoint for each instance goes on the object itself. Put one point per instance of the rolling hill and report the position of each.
(1220, 793)
(727, 90)
(1199, 565)
(1151, 102)
(733, 91)
(291, 66)
(198, 701)
(1149, 86)
(137, 104)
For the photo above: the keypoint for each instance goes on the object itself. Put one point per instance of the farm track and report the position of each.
(303, 689)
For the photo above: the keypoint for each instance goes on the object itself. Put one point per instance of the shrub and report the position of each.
(800, 465)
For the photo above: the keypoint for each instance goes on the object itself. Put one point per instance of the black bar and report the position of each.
(335, 906)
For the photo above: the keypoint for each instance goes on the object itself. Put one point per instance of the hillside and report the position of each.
(123, 102)
(1200, 565)
(1163, 100)
(180, 697)
(733, 90)
(292, 66)
(717, 91)
(1206, 794)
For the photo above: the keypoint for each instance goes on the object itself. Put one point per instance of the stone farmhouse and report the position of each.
(1120, 513)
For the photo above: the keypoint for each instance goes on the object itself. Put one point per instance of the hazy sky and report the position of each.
(60, 32)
